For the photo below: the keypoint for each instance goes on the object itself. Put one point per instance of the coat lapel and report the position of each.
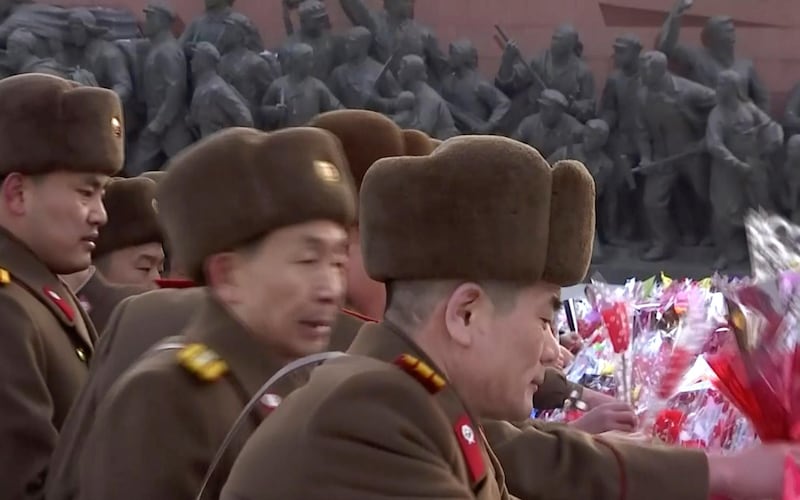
(388, 343)
(30, 273)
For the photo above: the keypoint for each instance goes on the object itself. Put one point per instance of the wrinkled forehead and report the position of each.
(462, 47)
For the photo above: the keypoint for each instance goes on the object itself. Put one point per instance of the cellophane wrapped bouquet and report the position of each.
(758, 364)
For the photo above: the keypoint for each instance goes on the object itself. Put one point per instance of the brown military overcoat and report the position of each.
(137, 324)
(160, 425)
(99, 297)
(45, 344)
(367, 428)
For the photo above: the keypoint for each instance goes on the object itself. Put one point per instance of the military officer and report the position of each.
(411, 401)
(58, 146)
(128, 256)
(367, 297)
(130, 248)
(276, 235)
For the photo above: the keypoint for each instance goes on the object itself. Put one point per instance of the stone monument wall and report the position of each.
(768, 30)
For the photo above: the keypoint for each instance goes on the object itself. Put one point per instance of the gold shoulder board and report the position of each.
(202, 362)
(421, 371)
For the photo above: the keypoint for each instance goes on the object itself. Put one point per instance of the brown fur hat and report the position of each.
(366, 137)
(154, 175)
(48, 124)
(131, 208)
(418, 143)
(478, 208)
(240, 184)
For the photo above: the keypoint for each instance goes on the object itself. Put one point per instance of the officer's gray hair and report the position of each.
(409, 304)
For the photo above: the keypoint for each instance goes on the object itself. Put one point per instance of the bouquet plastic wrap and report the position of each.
(758, 366)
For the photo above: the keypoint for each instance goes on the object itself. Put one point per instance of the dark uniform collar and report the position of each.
(250, 362)
(387, 342)
(31, 273)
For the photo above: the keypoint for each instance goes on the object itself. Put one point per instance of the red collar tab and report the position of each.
(421, 371)
(362, 317)
(60, 302)
(175, 283)
(469, 441)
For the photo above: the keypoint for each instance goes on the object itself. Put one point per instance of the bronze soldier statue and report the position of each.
(591, 152)
(560, 68)
(673, 111)
(21, 57)
(618, 107)
(740, 138)
(397, 34)
(791, 177)
(165, 89)
(552, 127)
(704, 64)
(791, 117)
(476, 104)
(297, 97)
(86, 48)
(430, 113)
(315, 31)
(249, 73)
(361, 82)
(209, 26)
(215, 103)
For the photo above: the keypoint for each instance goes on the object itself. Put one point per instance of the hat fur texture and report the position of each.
(131, 216)
(48, 124)
(240, 184)
(477, 208)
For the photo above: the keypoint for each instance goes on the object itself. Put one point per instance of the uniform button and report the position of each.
(81, 354)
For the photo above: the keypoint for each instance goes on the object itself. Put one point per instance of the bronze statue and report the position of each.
(21, 56)
(249, 73)
(209, 27)
(165, 93)
(619, 107)
(315, 31)
(361, 82)
(398, 34)
(552, 127)
(86, 48)
(791, 117)
(704, 64)
(215, 103)
(791, 175)
(591, 152)
(476, 104)
(740, 138)
(430, 113)
(673, 113)
(560, 68)
(297, 97)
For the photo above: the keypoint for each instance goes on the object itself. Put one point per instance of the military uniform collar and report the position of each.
(387, 342)
(31, 273)
(251, 363)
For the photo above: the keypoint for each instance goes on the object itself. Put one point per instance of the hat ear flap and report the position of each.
(572, 224)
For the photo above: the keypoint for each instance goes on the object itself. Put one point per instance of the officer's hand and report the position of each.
(565, 358)
(755, 473)
(617, 416)
(571, 340)
(511, 52)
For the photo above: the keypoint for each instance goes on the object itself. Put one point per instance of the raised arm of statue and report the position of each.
(668, 39)
(359, 14)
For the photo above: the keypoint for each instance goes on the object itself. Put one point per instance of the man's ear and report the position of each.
(13, 193)
(461, 312)
(222, 276)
